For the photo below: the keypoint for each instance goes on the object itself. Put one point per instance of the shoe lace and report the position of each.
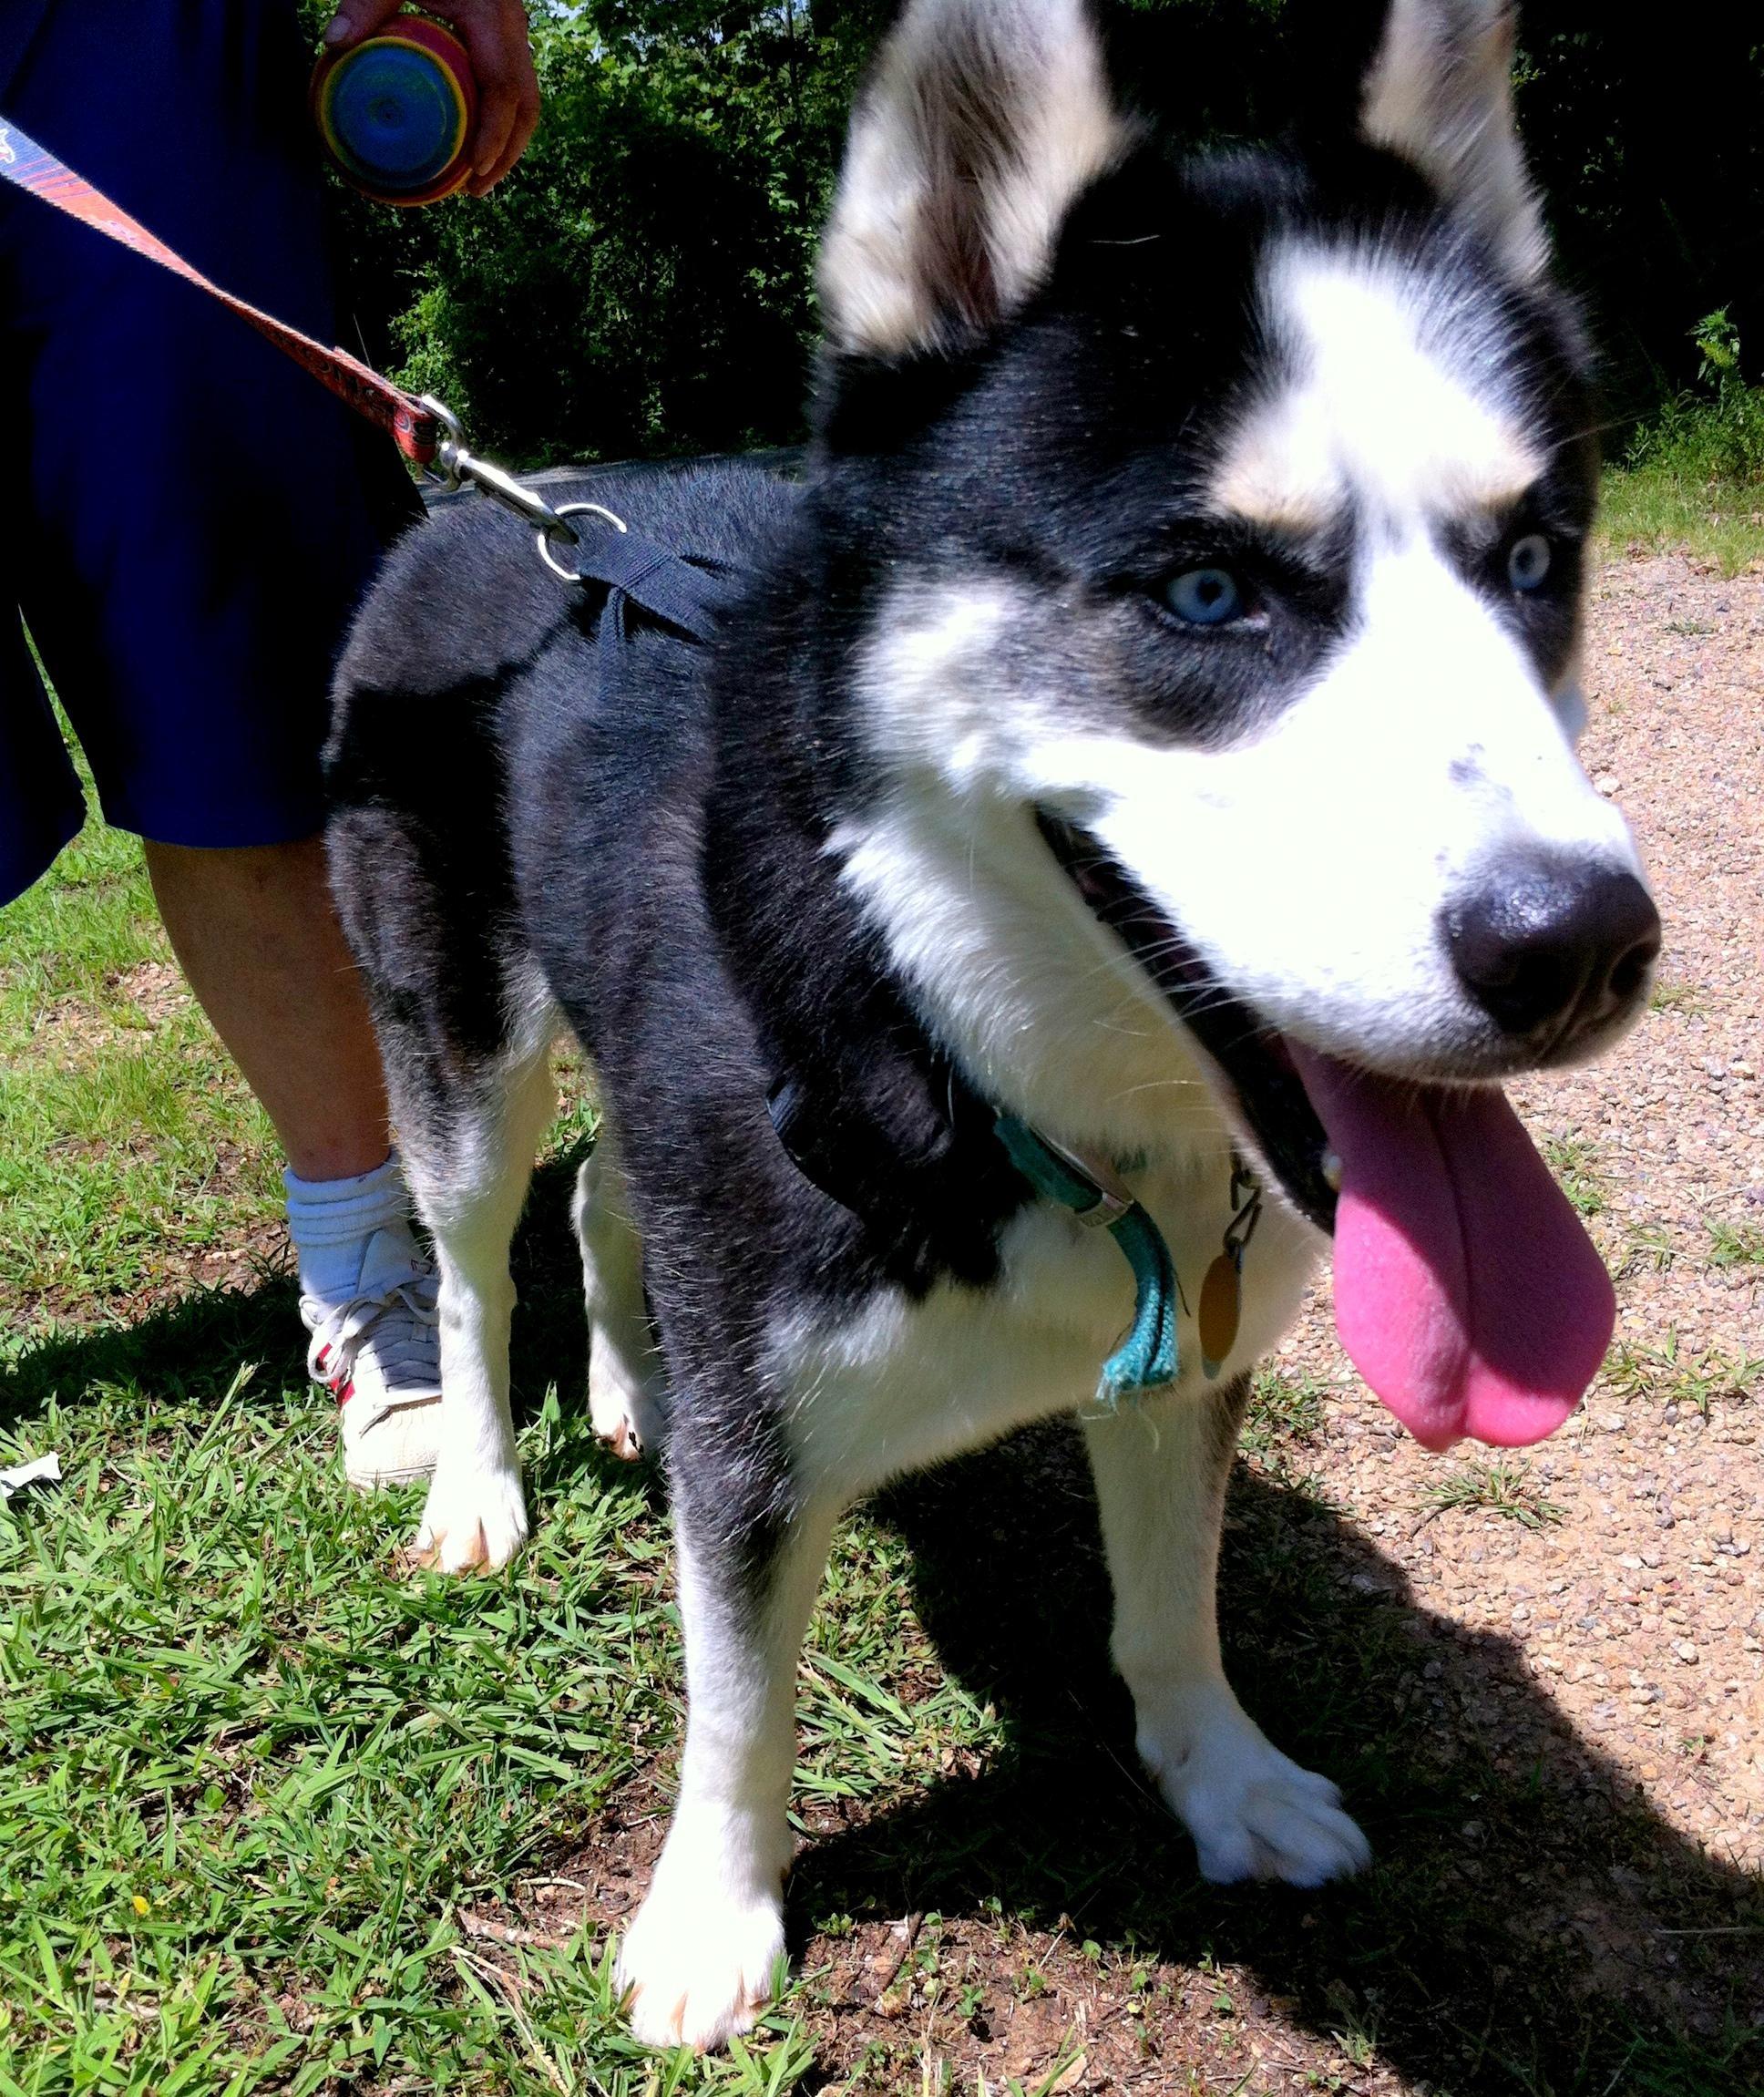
(397, 1321)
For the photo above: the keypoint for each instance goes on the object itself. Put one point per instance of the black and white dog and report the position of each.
(1149, 720)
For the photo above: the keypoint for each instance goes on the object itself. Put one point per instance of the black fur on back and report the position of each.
(507, 813)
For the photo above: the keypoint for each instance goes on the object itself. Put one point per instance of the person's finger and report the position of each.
(497, 100)
(495, 35)
(355, 20)
(527, 117)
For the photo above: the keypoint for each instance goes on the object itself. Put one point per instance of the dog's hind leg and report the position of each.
(465, 1022)
(1161, 1469)
(624, 1368)
(699, 1960)
(469, 1168)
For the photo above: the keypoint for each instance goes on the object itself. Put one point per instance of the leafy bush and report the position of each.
(640, 284)
(1715, 432)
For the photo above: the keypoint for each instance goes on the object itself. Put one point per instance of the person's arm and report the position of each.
(495, 34)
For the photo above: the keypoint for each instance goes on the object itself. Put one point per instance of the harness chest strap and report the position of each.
(683, 590)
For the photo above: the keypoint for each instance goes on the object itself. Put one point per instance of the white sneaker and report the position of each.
(379, 1354)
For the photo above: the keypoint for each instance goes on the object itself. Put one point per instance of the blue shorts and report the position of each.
(189, 519)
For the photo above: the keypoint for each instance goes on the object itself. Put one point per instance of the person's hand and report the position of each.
(494, 33)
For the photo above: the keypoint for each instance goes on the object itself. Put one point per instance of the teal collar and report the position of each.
(1148, 1358)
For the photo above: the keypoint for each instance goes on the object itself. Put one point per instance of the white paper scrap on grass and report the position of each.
(39, 1471)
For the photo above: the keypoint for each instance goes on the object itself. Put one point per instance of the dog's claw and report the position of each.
(473, 1526)
(441, 1553)
(696, 1974)
(625, 1442)
(621, 1405)
(671, 2030)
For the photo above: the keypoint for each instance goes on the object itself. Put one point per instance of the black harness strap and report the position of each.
(684, 591)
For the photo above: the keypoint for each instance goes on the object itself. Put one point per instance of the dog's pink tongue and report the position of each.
(1466, 1291)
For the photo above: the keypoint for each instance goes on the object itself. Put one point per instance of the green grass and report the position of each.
(112, 1119)
(1655, 508)
(1646, 1246)
(1684, 998)
(1503, 1486)
(1574, 1161)
(1668, 1374)
(253, 1773)
(1735, 1244)
(1283, 1423)
(1692, 480)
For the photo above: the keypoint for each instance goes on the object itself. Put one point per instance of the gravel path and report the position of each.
(1639, 1599)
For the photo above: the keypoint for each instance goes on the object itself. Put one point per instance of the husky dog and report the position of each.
(1133, 774)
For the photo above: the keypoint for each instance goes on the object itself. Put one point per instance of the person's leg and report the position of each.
(188, 610)
(255, 932)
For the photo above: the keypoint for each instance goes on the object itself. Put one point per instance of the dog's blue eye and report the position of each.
(1528, 562)
(1206, 596)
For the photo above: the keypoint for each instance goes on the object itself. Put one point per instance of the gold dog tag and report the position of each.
(1221, 1299)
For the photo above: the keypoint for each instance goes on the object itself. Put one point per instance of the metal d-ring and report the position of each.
(554, 527)
(455, 467)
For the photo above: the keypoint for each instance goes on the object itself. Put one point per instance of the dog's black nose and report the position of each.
(1551, 945)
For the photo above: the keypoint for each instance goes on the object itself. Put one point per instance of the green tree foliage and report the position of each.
(1713, 432)
(1647, 132)
(641, 284)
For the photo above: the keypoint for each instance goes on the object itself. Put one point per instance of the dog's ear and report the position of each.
(1439, 94)
(981, 122)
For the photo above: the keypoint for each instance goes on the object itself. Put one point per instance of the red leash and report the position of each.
(413, 424)
(680, 590)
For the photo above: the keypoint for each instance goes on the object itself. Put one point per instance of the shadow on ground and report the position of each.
(1530, 1924)
(192, 1347)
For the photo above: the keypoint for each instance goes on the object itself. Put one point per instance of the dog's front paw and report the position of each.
(474, 1521)
(698, 1964)
(1253, 1812)
(623, 1403)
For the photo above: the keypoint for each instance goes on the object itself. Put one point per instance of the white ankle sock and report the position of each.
(331, 1222)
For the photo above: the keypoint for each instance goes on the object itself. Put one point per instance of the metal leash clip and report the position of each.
(456, 466)
(1247, 1213)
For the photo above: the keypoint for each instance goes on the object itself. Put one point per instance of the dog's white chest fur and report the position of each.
(904, 1383)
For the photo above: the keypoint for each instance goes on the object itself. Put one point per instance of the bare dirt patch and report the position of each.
(156, 990)
(72, 1032)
